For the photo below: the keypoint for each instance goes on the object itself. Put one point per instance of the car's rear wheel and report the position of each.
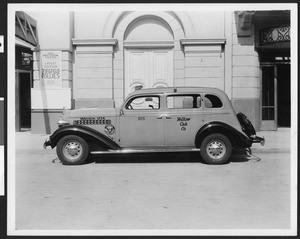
(72, 150)
(216, 149)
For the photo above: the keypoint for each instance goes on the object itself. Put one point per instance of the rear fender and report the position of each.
(237, 139)
(90, 135)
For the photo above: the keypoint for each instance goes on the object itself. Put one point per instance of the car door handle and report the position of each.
(159, 117)
(168, 117)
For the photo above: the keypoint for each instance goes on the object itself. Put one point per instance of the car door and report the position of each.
(183, 118)
(140, 122)
(214, 110)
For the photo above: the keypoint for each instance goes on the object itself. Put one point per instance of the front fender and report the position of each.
(89, 134)
(238, 139)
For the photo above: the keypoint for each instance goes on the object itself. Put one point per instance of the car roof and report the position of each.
(189, 89)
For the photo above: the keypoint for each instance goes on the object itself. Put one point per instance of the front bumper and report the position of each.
(257, 139)
(47, 143)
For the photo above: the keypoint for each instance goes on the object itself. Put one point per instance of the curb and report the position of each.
(271, 150)
(262, 151)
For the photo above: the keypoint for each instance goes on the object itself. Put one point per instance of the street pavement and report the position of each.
(276, 141)
(153, 191)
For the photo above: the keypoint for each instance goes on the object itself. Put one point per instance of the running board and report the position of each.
(132, 151)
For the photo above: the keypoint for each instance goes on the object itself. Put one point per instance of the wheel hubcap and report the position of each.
(216, 149)
(72, 150)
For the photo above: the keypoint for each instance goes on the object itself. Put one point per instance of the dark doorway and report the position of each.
(23, 84)
(284, 95)
(25, 100)
(269, 92)
(276, 95)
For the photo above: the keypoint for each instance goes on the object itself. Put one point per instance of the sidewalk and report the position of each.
(276, 141)
(25, 140)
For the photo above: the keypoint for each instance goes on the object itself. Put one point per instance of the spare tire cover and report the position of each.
(246, 124)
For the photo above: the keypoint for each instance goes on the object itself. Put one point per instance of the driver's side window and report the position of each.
(144, 103)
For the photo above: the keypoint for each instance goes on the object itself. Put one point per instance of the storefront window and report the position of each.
(24, 58)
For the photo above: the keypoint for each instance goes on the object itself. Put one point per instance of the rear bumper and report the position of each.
(257, 139)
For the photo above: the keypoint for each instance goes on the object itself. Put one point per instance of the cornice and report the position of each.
(147, 44)
(98, 42)
(201, 41)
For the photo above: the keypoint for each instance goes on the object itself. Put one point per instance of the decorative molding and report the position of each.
(98, 42)
(209, 41)
(246, 19)
(193, 45)
(94, 46)
(78, 52)
(117, 19)
(244, 23)
(148, 44)
(274, 35)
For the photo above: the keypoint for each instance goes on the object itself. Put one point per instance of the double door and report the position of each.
(148, 68)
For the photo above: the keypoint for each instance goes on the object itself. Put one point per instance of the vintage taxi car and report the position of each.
(156, 120)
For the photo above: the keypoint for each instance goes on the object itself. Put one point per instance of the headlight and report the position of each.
(61, 122)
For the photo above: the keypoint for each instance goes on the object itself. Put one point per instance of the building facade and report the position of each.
(95, 59)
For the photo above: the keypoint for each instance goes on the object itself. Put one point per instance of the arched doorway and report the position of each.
(145, 38)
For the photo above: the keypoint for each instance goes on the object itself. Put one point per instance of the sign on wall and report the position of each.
(51, 69)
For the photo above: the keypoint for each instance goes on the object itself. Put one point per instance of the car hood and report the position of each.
(96, 118)
(93, 112)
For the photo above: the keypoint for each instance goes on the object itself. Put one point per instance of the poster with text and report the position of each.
(51, 69)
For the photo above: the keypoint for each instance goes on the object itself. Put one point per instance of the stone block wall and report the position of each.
(245, 75)
(204, 62)
(93, 73)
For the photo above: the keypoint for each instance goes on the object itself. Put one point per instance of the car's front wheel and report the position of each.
(72, 150)
(216, 149)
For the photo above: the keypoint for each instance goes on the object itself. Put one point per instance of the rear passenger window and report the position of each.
(212, 101)
(183, 101)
